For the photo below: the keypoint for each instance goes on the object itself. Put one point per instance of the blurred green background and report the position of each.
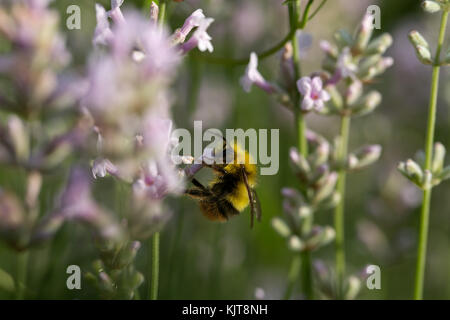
(204, 260)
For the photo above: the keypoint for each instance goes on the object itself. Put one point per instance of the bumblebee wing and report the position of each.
(255, 207)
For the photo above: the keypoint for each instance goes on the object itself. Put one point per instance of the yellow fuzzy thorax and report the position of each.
(239, 198)
(242, 157)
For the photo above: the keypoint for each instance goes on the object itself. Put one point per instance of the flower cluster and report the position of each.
(128, 103)
(350, 65)
(317, 193)
(428, 173)
(41, 128)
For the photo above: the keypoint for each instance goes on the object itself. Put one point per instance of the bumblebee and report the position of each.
(231, 191)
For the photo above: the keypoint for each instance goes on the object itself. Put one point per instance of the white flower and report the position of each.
(203, 38)
(253, 76)
(313, 93)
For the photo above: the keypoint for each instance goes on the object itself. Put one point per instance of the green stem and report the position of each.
(294, 15)
(340, 208)
(162, 12)
(317, 10)
(239, 62)
(306, 14)
(292, 276)
(22, 265)
(155, 267)
(265, 54)
(425, 210)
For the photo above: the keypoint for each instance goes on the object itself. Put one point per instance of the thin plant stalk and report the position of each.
(292, 276)
(162, 12)
(22, 265)
(154, 276)
(305, 257)
(340, 208)
(425, 210)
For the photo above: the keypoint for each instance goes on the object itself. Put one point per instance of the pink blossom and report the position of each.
(314, 96)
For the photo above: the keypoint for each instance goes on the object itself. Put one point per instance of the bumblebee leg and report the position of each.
(197, 193)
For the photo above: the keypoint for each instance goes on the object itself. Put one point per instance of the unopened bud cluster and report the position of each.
(326, 280)
(356, 61)
(415, 170)
(115, 276)
(317, 192)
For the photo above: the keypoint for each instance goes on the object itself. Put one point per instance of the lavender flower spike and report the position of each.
(115, 13)
(200, 38)
(252, 76)
(314, 96)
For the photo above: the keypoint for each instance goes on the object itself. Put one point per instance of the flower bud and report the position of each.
(352, 161)
(330, 49)
(19, 138)
(331, 202)
(368, 155)
(343, 38)
(321, 237)
(353, 288)
(299, 162)
(417, 39)
(354, 92)
(423, 54)
(431, 6)
(438, 157)
(326, 189)
(379, 45)
(281, 227)
(363, 34)
(295, 244)
(412, 171)
(127, 254)
(321, 154)
(304, 212)
(367, 104)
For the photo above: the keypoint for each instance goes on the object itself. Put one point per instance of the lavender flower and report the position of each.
(314, 96)
(194, 20)
(102, 34)
(115, 13)
(253, 76)
(200, 38)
